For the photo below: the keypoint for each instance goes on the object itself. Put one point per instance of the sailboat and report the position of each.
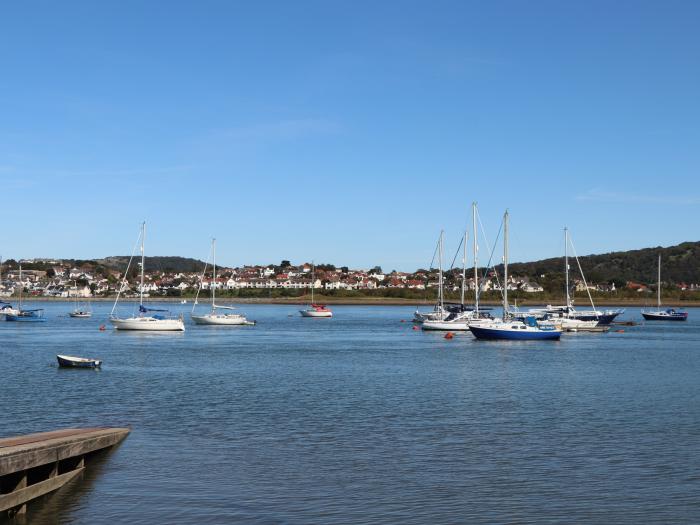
(508, 328)
(144, 320)
(214, 317)
(458, 319)
(670, 314)
(78, 311)
(35, 315)
(438, 313)
(566, 317)
(315, 310)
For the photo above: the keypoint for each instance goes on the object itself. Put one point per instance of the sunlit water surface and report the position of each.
(361, 419)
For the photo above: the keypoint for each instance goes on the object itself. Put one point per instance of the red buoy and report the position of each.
(449, 335)
(102, 328)
(415, 327)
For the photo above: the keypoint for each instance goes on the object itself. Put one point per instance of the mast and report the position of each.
(313, 274)
(21, 286)
(476, 265)
(440, 293)
(566, 266)
(464, 263)
(213, 258)
(143, 257)
(505, 265)
(658, 287)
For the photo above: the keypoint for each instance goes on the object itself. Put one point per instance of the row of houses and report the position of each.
(67, 281)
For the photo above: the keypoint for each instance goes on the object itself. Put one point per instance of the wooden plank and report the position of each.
(22, 456)
(22, 496)
(43, 436)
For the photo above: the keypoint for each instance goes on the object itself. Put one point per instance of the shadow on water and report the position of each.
(58, 506)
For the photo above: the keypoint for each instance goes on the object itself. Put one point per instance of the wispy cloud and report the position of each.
(598, 195)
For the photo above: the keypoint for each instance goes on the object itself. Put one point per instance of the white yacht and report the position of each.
(147, 319)
(218, 315)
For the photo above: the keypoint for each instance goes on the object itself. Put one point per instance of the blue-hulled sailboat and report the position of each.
(670, 314)
(508, 328)
(33, 315)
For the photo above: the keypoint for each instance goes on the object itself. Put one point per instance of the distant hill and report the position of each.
(679, 263)
(156, 263)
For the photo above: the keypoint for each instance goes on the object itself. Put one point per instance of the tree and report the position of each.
(285, 264)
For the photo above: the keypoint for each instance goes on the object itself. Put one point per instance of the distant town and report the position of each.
(86, 279)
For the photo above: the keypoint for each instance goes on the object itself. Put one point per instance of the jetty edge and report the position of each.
(36, 464)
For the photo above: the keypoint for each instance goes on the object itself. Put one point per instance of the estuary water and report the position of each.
(361, 419)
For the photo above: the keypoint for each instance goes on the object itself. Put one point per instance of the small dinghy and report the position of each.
(77, 362)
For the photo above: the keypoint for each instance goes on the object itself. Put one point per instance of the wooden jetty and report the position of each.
(36, 464)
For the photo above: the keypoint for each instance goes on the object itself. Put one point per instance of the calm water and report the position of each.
(360, 419)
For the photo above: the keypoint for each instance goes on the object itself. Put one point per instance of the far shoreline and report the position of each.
(350, 301)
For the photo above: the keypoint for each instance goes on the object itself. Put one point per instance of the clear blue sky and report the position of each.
(347, 132)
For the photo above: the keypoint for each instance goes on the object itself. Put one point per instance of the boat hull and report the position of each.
(23, 319)
(148, 324)
(67, 361)
(222, 320)
(461, 326)
(678, 316)
(80, 315)
(315, 313)
(495, 333)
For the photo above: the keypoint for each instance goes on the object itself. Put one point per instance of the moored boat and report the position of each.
(35, 315)
(315, 310)
(145, 320)
(68, 361)
(513, 329)
(669, 314)
(23, 315)
(516, 330)
(215, 317)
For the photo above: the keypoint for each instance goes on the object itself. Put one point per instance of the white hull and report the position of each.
(9, 311)
(435, 315)
(574, 324)
(221, 319)
(315, 313)
(150, 324)
(82, 315)
(451, 326)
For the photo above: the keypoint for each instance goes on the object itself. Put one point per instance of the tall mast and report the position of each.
(658, 287)
(566, 265)
(21, 286)
(505, 265)
(464, 263)
(313, 274)
(143, 256)
(213, 258)
(440, 294)
(476, 264)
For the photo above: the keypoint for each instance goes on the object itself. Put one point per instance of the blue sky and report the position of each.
(346, 132)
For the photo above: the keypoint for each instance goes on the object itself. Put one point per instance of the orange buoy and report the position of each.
(102, 328)
(449, 335)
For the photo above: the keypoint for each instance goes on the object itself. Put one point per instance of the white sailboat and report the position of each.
(315, 310)
(79, 311)
(457, 321)
(214, 317)
(145, 320)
